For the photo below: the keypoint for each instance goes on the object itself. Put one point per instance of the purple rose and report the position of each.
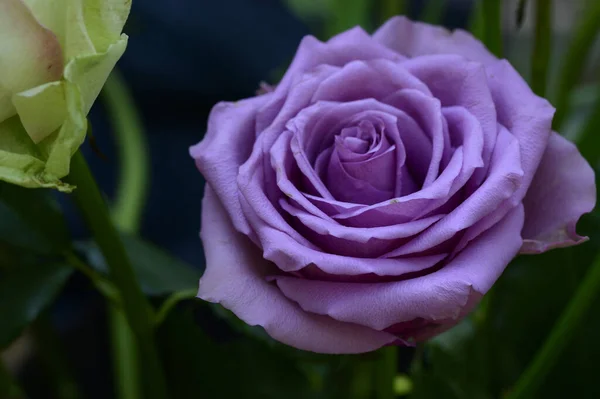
(381, 188)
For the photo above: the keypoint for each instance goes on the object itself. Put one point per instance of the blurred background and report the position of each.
(183, 57)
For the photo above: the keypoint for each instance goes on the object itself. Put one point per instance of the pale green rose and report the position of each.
(55, 56)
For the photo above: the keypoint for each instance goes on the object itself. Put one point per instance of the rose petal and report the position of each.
(371, 242)
(527, 116)
(234, 278)
(30, 54)
(227, 144)
(353, 44)
(437, 296)
(455, 81)
(562, 190)
(503, 181)
(413, 39)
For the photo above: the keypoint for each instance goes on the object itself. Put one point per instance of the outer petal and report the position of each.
(527, 116)
(438, 296)
(227, 144)
(354, 44)
(30, 54)
(562, 190)
(42, 109)
(413, 39)
(235, 278)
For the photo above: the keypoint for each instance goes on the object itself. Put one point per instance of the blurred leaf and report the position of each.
(527, 302)
(492, 25)
(391, 8)
(307, 9)
(585, 33)
(433, 12)
(540, 61)
(158, 272)
(24, 293)
(32, 220)
(197, 366)
(348, 14)
(589, 138)
(485, 355)
(476, 20)
(8, 387)
(452, 366)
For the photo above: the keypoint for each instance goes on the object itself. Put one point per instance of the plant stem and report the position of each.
(492, 25)
(132, 189)
(575, 58)
(125, 356)
(170, 303)
(560, 336)
(94, 210)
(385, 373)
(542, 46)
(127, 214)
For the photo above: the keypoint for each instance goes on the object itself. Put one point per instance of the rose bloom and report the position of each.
(380, 189)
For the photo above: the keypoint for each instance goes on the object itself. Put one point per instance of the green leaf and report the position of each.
(589, 137)
(24, 293)
(452, 365)
(585, 32)
(158, 272)
(433, 11)
(32, 220)
(492, 25)
(348, 14)
(391, 8)
(540, 61)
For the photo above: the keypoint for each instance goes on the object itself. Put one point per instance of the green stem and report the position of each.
(542, 46)
(385, 373)
(91, 204)
(132, 189)
(560, 336)
(51, 353)
(127, 212)
(575, 59)
(171, 302)
(492, 25)
(125, 356)
(102, 284)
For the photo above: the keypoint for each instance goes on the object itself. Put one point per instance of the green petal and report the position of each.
(42, 110)
(61, 145)
(89, 73)
(20, 160)
(55, 56)
(77, 40)
(104, 20)
(30, 55)
(6, 107)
